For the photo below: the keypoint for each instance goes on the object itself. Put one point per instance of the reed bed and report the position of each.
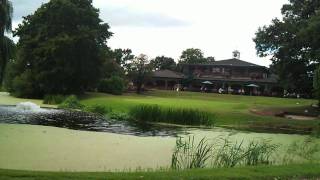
(155, 113)
(189, 154)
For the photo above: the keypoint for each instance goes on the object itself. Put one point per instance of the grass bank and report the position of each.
(302, 171)
(230, 111)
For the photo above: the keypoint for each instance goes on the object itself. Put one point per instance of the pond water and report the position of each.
(29, 113)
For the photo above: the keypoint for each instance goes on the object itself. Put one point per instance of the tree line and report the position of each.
(62, 49)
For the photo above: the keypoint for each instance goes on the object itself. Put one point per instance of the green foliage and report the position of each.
(188, 154)
(293, 43)
(53, 99)
(71, 102)
(139, 70)
(22, 85)
(316, 84)
(192, 56)
(235, 154)
(7, 54)
(62, 46)
(119, 116)
(162, 62)
(98, 109)
(306, 150)
(114, 85)
(155, 113)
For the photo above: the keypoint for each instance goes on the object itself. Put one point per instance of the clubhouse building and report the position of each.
(225, 76)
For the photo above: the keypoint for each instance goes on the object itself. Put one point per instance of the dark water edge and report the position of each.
(78, 120)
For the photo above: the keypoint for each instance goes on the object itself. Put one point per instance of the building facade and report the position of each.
(226, 76)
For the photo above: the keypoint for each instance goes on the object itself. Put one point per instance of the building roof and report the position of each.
(234, 62)
(230, 62)
(167, 74)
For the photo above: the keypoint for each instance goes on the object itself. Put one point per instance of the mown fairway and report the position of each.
(230, 110)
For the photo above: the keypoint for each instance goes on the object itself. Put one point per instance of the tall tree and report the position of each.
(123, 57)
(316, 84)
(60, 50)
(140, 70)
(192, 56)
(292, 43)
(162, 62)
(6, 11)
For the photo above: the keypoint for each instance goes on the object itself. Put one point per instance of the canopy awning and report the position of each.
(253, 85)
(207, 82)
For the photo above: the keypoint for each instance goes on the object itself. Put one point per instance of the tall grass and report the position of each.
(155, 113)
(53, 99)
(188, 154)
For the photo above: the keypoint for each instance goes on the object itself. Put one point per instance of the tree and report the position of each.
(6, 11)
(192, 56)
(140, 70)
(162, 62)
(293, 44)
(316, 84)
(123, 57)
(61, 49)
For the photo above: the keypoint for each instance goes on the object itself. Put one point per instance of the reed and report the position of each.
(155, 113)
(189, 155)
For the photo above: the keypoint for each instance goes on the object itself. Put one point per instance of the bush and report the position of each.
(154, 113)
(114, 85)
(119, 116)
(98, 109)
(71, 102)
(22, 85)
(53, 99)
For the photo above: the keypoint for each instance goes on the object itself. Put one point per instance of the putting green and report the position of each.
(27, 147)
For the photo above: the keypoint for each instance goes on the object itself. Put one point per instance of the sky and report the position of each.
(167, 27)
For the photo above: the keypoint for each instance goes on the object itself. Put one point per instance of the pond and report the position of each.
(29, 113)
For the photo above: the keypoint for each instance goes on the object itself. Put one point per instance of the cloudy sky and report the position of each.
(167, 27)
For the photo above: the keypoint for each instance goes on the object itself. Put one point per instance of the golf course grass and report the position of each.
(298, 171)
(231, 111)
(39, 152)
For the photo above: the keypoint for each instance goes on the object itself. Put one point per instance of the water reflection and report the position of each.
(78, 120)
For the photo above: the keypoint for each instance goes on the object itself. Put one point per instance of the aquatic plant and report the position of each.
(53, 99)
(119, 116)
(71, 102)
(97, 109)
(304, 151)
(188, 154)
(155, 113)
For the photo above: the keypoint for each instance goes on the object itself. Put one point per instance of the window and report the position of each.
(216, 70)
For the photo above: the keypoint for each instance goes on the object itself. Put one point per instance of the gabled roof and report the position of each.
(167, 74)
(230, 62)
(234, 62)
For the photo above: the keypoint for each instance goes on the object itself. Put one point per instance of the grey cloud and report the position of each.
(115, 16)
(126, 17)
(25, 7)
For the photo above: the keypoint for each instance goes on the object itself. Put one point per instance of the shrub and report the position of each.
(98, 109)
(71, 102)
(119, 116)
(154, 113)
(114, 85)
(22, 85)
(53, 99)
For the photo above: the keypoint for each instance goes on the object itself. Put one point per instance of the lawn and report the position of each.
(302, 171)
(231, 111)
(37, 149)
